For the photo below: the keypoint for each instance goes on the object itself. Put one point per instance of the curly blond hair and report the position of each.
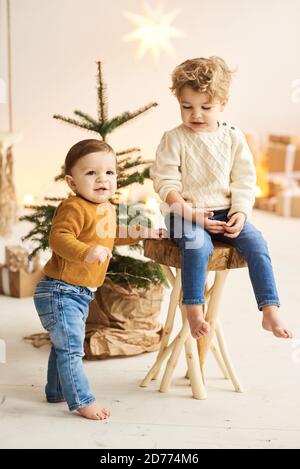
(211, 76)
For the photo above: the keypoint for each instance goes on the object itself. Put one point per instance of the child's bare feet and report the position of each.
(199, 327)
(94, 412)
(271, 322)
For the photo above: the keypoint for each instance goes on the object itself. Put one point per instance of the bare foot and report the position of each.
(271, 322)
(199, 327)
(94, 412)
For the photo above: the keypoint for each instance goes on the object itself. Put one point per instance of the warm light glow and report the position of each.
(262, 188)
(28, 199)
(151, 203)
(124, 193)
(258, 191)
(154, 30)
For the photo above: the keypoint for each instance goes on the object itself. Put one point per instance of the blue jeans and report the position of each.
(195, 244)
(63, 310)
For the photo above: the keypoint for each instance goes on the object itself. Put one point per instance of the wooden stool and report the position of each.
(223, 258)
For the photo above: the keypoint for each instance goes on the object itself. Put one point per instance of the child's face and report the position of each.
(94, 177)
(198, 113)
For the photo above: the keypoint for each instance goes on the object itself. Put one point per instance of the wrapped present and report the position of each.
(288, 202)
(266, 203)
(285, 139)
(19, 284)
(17, 258)
(283, 158)
(277, 185)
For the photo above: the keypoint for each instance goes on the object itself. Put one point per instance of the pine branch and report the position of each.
(129, 150)
(87, 118)
(137, 247)
(41, 218)
(146, 173)
(115, 122)
(136, 177)
(102, 102)
(137, 273)
(74, 122)
(130, 164)
(131, 179)
(122, 161)
(61, 176)
(54, 199)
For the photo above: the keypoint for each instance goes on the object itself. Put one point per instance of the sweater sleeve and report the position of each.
(66, 227)
(128, 235)
(165, 171)
(242, 178)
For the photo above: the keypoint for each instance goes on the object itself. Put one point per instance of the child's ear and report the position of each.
(71, 183)
(223, 103)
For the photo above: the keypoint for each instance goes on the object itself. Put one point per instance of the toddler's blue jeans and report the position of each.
(195, 244)
(63, 310)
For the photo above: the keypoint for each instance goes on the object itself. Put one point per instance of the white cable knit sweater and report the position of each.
(212, 170)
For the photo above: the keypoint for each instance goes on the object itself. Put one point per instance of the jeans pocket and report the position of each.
(44, 305)
(69, 288)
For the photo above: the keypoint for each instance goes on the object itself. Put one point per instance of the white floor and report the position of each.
(266, 415)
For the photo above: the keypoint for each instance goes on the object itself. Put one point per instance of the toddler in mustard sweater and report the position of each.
(82, 235)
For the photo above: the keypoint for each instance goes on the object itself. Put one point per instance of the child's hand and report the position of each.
(213, 226)
(235, 225)
(98, 254)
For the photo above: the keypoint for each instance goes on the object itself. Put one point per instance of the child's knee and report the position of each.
(197, 243)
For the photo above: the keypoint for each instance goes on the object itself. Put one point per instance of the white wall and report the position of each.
(56, 43)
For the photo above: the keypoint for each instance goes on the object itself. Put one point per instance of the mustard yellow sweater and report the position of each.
(77, 226)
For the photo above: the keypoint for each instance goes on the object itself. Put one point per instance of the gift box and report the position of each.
(288, 202)
(19, 284)
(286, 139)
(17, 258)
(283, 158)
(266, 203)
(277, 185)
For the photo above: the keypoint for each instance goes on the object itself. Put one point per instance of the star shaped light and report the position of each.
(154, 30)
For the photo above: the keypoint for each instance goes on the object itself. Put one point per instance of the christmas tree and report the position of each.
(131, 169)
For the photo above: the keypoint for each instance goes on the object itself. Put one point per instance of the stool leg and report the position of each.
(174, 298)
(164, 349)
(157, 365)
(219, 359)
(226, 358)
(211, 315)
(172, 362)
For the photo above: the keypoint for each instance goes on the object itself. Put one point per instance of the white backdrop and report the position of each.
(56, 43)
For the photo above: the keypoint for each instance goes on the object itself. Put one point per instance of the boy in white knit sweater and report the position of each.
(204, 172)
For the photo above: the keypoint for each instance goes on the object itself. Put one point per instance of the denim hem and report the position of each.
(268, 302)
(193, 301)
(83, 404)
(55, 400)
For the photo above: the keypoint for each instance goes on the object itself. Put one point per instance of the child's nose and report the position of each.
(101, 177)
(197, 114)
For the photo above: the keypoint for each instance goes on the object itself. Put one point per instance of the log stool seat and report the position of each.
(223, 258)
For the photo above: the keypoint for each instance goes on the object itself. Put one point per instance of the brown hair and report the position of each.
(211, 76)
(83, 148)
